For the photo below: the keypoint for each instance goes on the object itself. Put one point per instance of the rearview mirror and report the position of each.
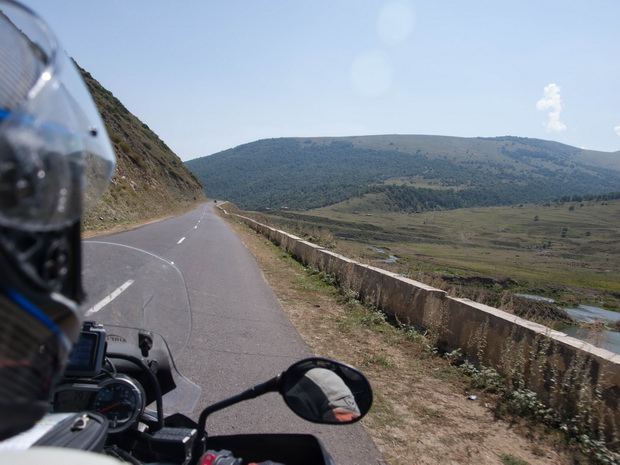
(326, 391)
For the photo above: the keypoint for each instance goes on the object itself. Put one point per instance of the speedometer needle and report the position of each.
(109, 407)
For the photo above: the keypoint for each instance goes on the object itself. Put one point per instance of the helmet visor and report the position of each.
(55, 155)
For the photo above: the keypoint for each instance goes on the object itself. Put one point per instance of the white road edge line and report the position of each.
(109, 298)
(180, 240)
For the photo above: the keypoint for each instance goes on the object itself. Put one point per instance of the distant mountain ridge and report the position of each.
(412, 172)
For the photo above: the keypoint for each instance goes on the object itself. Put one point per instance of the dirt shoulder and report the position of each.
(110, 228)
(424, 411)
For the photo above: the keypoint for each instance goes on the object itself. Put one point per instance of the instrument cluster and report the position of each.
(120, 399)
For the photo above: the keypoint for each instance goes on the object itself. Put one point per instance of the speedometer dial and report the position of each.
(121, 401)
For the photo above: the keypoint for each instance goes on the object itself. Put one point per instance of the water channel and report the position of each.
(606, 339)
(390, 258)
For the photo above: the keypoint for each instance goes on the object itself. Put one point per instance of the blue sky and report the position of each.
(210, 75)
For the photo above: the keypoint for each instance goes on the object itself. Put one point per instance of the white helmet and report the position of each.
(55, 158)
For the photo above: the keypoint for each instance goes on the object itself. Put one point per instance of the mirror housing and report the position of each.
(325, 391)
(317, 389)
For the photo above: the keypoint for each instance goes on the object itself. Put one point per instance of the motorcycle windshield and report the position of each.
(130, 290)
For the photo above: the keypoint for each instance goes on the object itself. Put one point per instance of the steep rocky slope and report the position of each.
(150, 180)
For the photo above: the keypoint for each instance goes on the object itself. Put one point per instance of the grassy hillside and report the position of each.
(416, 173)
(150, 180)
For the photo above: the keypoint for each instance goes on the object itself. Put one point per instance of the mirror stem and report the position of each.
(269, 386)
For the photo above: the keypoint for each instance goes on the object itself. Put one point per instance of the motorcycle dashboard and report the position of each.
(120, 399)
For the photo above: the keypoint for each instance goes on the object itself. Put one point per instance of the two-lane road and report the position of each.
(239, 335)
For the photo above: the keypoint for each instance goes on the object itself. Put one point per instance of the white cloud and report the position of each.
(617, 129)
(553, 102)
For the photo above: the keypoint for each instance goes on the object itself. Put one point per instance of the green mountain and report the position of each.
(150, 180)
(412, 172)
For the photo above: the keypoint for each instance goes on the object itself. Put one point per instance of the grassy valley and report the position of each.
(565, 250)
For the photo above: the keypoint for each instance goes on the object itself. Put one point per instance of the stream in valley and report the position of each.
(607, 339)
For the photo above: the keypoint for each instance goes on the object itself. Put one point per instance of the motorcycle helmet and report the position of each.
(55, 160)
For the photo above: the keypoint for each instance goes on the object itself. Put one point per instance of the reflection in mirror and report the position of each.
(325, 391)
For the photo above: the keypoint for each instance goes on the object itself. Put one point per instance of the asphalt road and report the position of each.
(239, 335)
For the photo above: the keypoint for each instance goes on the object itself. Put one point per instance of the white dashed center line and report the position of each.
(109, 298)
